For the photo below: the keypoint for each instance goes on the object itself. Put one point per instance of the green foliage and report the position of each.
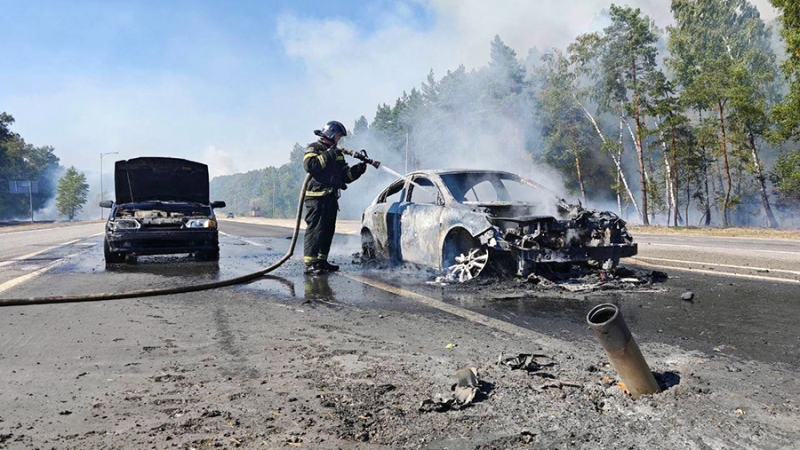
(787, 114)
(510, 114)
(71, 193)
(22, 161)
(786, 179)
(274, 190)
(570, 141)
(721, 55)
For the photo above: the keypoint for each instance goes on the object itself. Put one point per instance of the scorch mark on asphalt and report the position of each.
(31, 255)
(39, 252)
(19, 280)
(27, 277)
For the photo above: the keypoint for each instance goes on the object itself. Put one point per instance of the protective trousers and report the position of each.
(321, 225)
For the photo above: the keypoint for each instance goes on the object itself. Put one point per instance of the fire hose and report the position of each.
(360, 155)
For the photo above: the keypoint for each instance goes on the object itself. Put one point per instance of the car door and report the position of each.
(386, 218)
(421, 222)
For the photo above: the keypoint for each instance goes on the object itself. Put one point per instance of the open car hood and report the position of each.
(165, 179)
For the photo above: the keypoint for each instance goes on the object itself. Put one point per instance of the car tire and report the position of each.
(112, 257)
(209, 255)
(369, 249)
(459, 244)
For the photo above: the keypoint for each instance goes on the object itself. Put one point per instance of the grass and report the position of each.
(763, 233)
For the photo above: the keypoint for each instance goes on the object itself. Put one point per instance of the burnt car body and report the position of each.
(462, 220)
(162, 207)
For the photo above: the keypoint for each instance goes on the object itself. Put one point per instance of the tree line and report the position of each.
(21, 161)
(693, 124)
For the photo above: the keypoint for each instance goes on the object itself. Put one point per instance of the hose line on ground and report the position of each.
(173, 290)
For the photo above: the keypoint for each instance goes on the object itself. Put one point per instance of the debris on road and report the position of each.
(467, 386)
(687, 296)
(463, 393)
(526, 361)
(557, 384)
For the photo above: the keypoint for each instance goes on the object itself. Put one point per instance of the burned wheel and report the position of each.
(369, 251)
(469, 265)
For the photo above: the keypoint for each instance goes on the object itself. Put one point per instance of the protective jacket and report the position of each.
(328, 169)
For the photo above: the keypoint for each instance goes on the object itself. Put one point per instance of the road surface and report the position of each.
(135, 373)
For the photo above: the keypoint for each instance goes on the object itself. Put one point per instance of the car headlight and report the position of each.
(127, 224)
(200, 223)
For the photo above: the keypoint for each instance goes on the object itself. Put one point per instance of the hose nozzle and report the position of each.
(361, 155)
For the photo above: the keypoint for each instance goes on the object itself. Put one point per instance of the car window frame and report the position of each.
(439, 195)
(385, 194)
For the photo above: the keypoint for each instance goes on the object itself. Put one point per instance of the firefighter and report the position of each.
(329, 175)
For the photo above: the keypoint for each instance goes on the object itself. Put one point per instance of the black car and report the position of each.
(162, 207)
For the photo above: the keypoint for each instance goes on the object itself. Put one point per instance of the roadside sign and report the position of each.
(23, 187)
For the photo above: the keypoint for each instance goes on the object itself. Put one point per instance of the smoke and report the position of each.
(255, 85)
(219, 162)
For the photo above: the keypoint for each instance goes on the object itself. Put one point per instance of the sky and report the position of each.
(236, 84)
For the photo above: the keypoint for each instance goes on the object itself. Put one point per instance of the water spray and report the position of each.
(362, 156)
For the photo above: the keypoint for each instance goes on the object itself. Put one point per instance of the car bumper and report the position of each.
(578, 254)
(162, 242)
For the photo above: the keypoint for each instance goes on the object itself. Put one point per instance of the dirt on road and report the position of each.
(235, 369)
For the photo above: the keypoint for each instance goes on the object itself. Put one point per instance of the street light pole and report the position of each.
(101, 180)
(406, 150)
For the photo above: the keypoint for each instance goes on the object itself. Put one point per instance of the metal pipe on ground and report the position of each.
(609, 327)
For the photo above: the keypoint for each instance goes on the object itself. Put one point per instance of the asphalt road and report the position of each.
(745, 290)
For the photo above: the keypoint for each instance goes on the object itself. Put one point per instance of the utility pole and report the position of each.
(30, 197)
(101, 181)
(406, 150)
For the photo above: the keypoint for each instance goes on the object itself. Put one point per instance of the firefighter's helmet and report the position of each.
(331, 129)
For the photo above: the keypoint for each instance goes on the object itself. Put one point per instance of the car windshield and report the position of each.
(490, 187)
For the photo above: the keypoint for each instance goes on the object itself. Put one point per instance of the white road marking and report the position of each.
(44, 229)
(762, 269)
(491, 322)
(696, 246)
(714, 272)
(39, 252)
(242, 239)
(19, 280)
(31, 255)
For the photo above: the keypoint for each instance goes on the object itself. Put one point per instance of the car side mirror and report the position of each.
(106, 204)
(217, 204)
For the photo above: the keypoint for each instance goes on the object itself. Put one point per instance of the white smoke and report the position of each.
(344, 70)
(219, 162)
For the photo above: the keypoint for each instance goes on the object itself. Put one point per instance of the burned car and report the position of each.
(162, 207)
(462, 221)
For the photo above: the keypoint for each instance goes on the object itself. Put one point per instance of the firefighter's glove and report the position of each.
(358, 169)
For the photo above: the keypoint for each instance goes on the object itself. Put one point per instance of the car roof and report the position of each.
(458, 171)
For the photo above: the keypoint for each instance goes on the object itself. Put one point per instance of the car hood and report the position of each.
(165, 179)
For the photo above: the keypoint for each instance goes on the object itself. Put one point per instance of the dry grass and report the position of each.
(763, 233)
